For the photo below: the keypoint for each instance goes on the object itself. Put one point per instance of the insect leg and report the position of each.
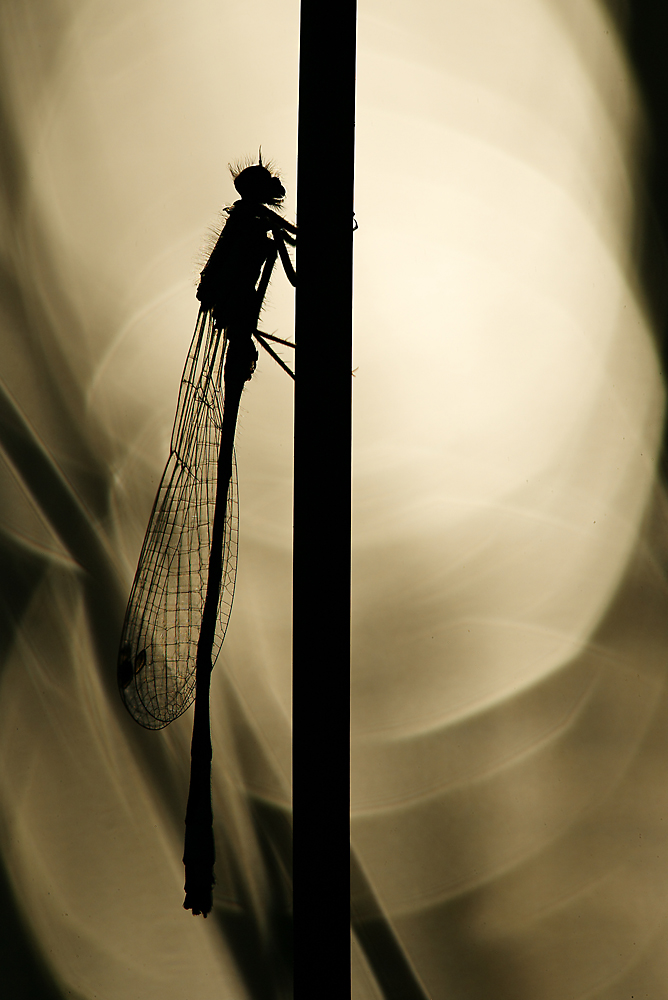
(277, 340)
(290, 272)
(260, 339)
(265, 276)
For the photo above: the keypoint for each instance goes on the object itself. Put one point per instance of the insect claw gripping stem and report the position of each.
(182, 593)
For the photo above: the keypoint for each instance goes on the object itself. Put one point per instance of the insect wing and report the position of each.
(156, 668)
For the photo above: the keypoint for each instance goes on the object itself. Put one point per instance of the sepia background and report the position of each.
(510, 603)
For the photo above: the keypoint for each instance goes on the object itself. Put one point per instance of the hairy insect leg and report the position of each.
(290, 272)
(260, 339)
(265, 278)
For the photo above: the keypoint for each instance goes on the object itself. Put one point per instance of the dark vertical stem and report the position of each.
(199, 852)
(322, 490)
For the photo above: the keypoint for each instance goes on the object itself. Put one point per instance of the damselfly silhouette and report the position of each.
(182, 593)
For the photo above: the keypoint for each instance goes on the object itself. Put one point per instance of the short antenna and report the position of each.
(260, 154)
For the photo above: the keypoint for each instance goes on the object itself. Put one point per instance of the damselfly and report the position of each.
(182, 593)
